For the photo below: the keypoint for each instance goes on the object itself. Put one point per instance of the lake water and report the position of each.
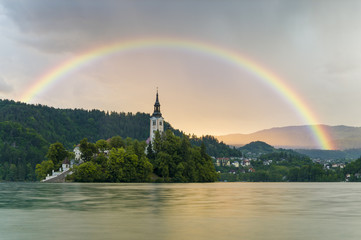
(180, 211)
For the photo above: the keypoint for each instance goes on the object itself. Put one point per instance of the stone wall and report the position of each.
(60, 178)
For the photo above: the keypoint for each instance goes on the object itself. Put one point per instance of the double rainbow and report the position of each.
(264, 75)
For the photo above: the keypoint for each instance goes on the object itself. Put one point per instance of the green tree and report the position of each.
(88, 172)
(139, 148)
(57, 153)
(12, 176)
(102, 145)
(184, 148)
(101, 160)
(144, 169)
(116, 142)
(157, 142)
(129, 167)
(161, 166)
(87, 150)
(150, 152)
(114, 165)
(180, 173)
(43, 169)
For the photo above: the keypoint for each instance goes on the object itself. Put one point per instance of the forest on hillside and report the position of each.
(27, 131)
(69, 126)
(20, 150)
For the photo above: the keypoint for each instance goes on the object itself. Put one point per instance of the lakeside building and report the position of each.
(65, 169)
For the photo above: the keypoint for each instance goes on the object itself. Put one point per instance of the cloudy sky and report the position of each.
(313, 46)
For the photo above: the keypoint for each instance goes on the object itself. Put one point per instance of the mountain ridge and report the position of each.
(299, 137)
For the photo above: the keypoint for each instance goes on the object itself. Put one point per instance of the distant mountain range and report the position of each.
(298, 137)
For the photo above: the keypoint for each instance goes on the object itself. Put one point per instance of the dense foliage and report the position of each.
(257, 147)
(174, 159)
(214, 147)
(354, 169)
(345, 155)
(69, 126)
(171, 159)
(20, 150)
(113, 161)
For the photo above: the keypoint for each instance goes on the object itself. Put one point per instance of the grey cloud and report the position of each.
(277, 31)
(66, 25)
(341, 67)
(4, 86)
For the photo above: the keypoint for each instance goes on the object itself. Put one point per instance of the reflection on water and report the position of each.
(180, 211)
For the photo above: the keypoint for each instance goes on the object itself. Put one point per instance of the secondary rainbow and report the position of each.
(233, 57)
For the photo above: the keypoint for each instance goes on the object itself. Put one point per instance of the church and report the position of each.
(156, 120)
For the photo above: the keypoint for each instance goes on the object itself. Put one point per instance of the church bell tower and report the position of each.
(156, 120)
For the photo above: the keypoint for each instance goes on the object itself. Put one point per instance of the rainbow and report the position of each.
(266, 76)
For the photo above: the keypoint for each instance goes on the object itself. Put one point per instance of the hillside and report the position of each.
(257, 147)
(214, 147)
(300, 137)
(342, 155)
(20, 150)
(69, 126)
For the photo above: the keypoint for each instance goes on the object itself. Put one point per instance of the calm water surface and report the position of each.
(180, 211)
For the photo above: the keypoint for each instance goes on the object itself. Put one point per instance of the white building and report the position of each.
(236, 164)
(156, 120)
(77, 153)
(246, 163)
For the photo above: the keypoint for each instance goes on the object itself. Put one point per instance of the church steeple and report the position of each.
(156, 120)
(157, 112)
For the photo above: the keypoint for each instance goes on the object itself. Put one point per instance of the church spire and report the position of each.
(157, 112)
(157, 100)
